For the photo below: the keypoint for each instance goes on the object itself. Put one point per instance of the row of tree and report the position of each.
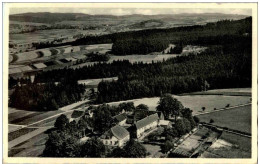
(138, 46)
(44, 97)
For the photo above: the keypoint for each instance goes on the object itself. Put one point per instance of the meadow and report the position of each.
(236, 118)
(230, 146)
(194, 102)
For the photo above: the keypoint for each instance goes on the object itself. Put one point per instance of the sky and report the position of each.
(129, 11)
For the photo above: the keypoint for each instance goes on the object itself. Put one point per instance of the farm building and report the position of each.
(147, 123)
(116, 136)
(77, 114)
(165, 123)
(120, 118)
(140, 114)
(89, 113)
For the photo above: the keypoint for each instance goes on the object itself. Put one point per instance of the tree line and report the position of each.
(44, 97)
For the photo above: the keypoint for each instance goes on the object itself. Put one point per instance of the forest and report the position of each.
(226, 63)
(45, 97)
(198, 34)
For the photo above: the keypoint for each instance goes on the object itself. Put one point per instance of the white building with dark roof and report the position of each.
(147, 123)
(116, 136)
(120, 119)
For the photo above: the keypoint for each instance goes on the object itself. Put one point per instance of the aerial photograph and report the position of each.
(130, 82)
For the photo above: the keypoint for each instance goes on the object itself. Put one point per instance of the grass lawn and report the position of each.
(154, 150)
(244, 143)
(237, 118)
(236, 147)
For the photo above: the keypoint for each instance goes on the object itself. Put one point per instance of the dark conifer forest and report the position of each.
(226, 63)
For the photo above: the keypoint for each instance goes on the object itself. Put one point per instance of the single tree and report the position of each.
(203, 109)
(93, 148)
(53, 146)
(61, 122)
(142, 107)
(167, 146)
(196, 119)
(180, 127)
(169, 106)
(135, 150)
(118, 153)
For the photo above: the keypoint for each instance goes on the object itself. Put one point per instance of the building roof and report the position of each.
(120, 117)
(164, 122)
(140, 114)
(117, 131)
(77, 114)
(146, 121)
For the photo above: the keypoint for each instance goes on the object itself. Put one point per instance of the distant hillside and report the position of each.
(47, 17)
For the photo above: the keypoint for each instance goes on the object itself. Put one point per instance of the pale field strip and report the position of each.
(16, 116)
(26, 68)
(40, 130)
(39, 65)
(11, 58)
(67, 50)
(79, 56)
(26, 56)
(12, 110)
(12, 127)
(15, 66)
(220, 143)
(14, 70)
(33, 151)
(96, 80)
(232, 107)
(25, 137)
(46, 52)
(76, 48)
(71, 59)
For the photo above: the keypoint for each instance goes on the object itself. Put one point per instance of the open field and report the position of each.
(195, 102)
(142, 58)
(95, 82)
(18, 133)
(26, 136)
(237, 118)
(23, 117)
(227, 92)
(229, 146)
(44, 35)
(19, 114)
(33, 147)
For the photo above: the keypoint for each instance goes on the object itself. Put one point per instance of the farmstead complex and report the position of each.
(168, 85)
